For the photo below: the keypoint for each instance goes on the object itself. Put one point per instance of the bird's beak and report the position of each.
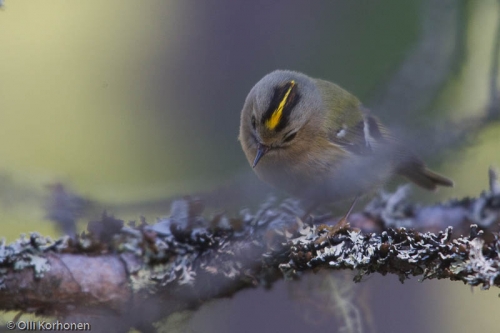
(261, 151)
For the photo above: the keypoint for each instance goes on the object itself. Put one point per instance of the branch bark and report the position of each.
(142, 273)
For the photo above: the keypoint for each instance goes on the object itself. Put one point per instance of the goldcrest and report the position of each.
(317, 141)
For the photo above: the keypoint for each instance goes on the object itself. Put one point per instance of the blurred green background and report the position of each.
(137, 101)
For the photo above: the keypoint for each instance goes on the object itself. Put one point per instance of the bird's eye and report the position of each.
(253, 122)
(290, 137)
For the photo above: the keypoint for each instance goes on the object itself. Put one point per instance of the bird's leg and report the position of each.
(342, 223)
(310, 207)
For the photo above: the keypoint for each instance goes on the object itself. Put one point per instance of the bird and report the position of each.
(313, 139)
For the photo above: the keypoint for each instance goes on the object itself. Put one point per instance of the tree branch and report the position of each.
(145, 272)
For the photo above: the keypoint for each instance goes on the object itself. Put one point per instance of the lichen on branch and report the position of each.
(186, 259)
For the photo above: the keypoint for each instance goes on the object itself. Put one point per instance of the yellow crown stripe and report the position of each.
(275, 119)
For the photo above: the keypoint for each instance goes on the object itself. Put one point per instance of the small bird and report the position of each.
(317, 142)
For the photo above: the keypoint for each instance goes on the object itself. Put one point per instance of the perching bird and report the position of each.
(316, 141)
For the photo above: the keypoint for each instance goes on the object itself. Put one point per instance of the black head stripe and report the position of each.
(280, 93)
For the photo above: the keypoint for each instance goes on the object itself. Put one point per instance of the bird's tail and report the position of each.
(416, 171)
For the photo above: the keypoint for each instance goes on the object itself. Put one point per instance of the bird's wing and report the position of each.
(350, 125)
(360, 138)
